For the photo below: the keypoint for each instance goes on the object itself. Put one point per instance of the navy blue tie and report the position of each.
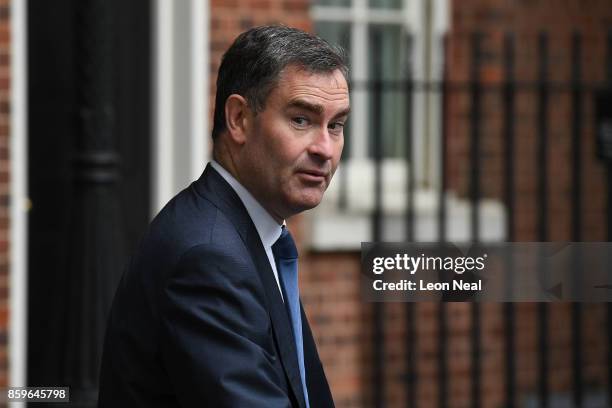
(285, 255)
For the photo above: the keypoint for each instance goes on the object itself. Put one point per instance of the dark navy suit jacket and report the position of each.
(198, 320)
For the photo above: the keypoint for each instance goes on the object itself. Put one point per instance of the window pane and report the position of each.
(339, 34)
(393, 4)
(336, 3)
(389, 61)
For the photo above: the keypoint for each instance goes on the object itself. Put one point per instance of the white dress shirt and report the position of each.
(268, 229)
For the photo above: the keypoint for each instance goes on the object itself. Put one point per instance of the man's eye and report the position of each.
(336, 126)
(300, 121)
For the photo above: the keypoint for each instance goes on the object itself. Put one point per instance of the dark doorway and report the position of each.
(53, 31)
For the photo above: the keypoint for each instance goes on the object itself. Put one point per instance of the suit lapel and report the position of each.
(280, 320)
(316, 382)
(212, 186)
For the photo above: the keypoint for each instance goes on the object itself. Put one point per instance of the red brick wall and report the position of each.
(5, 88)
(526, 19)
(330, 291)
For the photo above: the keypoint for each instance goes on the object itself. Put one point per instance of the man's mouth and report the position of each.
(314, 176)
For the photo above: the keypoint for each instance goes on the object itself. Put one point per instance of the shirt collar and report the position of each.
(268, 229)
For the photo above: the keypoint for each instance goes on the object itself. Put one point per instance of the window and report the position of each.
(410, 36)
(390, 40)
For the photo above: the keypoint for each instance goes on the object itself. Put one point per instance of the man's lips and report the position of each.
(313, 175)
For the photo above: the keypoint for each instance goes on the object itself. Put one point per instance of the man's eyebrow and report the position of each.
(342, 113)
(302, 104)
(315, 108)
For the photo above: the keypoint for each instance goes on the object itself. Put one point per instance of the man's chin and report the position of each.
(306, 203)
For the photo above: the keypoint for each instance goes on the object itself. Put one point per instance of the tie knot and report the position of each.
(284, 247)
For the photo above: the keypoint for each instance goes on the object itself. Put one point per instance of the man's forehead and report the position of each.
(299, 86)
(299, 77)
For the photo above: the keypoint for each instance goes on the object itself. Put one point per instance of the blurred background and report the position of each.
(472, 121)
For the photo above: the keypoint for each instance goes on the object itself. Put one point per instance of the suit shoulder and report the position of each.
(190, 220)
(208, 211)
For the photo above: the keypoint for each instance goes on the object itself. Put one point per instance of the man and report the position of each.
(208, 313)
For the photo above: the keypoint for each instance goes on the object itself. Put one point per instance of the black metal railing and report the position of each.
(544, 92)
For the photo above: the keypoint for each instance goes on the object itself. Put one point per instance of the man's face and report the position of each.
(294, 145)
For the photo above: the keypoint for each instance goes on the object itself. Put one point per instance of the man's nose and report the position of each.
(322, 145)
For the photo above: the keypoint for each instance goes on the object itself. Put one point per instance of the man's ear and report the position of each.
(237, 118)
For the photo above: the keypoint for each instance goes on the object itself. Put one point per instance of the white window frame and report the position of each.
(427, 67)
(427, 22)
(18, 258)
(180, 103)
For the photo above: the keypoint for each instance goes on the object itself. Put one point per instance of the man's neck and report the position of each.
(224, 158)
(243, 191)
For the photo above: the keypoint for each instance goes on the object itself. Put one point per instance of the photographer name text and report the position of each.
(405, 284)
